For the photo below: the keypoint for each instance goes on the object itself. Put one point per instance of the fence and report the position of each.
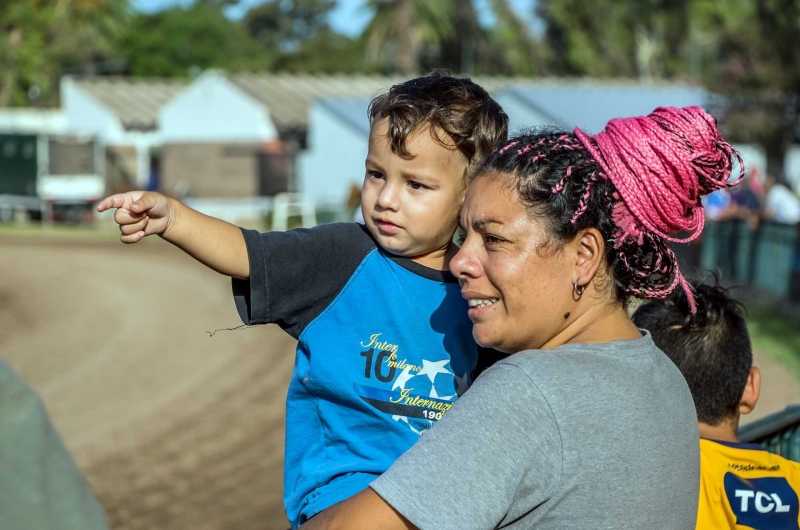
(766, 257)
(778, 433)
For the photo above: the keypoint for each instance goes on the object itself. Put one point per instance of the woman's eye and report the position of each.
(416, 185)
(491, 240)
(460, 238)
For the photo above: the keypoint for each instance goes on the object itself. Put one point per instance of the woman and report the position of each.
(589, 425)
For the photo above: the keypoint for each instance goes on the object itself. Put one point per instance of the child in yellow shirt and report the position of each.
(742, 486)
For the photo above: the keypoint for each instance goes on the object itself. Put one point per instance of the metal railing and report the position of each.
(766, 257)
(778, 433)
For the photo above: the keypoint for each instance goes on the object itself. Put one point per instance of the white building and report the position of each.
(122, 113)
(338, 134)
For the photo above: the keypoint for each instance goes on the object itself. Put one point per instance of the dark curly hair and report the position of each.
(562, 186)
(456, 106)
(711, 348)
(639, 182)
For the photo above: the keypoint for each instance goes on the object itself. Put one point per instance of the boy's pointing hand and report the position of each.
(139, 214)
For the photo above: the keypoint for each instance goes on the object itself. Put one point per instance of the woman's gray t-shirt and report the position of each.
(582, 436)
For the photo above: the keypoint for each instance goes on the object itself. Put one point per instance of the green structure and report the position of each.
(766, 257)
(18, 164)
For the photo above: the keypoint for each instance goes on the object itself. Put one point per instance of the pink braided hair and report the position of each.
(660, 165)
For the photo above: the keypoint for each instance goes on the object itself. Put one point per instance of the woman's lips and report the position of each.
(477, 312)
(479, 304)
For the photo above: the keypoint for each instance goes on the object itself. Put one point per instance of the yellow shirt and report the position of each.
(742, 486)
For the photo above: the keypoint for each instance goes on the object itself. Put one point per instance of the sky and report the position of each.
(350, 17)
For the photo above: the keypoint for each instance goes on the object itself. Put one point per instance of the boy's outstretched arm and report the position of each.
(215, 243)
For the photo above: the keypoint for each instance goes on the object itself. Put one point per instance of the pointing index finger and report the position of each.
(114, 201)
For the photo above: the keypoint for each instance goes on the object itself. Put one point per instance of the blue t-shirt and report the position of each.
(384, 348)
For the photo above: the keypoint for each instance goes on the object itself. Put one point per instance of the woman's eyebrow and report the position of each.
(480, 224)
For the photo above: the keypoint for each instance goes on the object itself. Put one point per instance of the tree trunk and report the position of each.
(782, 137)
(9, 81)
(407, 48)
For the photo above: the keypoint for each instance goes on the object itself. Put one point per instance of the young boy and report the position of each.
(741, 485)
(384, 341)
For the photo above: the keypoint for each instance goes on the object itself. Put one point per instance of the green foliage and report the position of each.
(400, 29)
(282, 25)
(297, 34)
(590, 38)
(772, 332)
(757, 67)
(511, 46)
(40, 38)
(23, 50)
(172, 42)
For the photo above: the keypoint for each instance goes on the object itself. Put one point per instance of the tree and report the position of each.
(756, 68)
(512, 41)
(23, 44)
(85, 32)
(617, 38)
(39, 39)
(401, 28)
(173, 42)
(284, 25)
(297, 34)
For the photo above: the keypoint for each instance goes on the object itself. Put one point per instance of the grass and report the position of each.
(776, 334)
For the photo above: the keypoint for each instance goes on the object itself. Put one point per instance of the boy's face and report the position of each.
(411, 205)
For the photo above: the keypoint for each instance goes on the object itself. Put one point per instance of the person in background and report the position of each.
(746, 200)
(741, 485)
(781, 204)
(41, 488)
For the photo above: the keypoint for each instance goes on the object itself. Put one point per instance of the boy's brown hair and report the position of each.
(473, 121)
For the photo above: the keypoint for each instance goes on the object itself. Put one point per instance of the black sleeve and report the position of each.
(294, 275)
(486, 358)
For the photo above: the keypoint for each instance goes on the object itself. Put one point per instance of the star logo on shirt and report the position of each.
(432, 368)
(463, 384)
(402, 379)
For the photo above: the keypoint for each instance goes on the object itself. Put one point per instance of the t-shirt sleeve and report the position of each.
(295, 275)
(492, 458)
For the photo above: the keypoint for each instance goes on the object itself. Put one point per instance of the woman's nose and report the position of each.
(464, 264)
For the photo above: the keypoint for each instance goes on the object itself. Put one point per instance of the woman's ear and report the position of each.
(590, 252)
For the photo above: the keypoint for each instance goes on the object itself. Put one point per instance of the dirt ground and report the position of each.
(173, 428)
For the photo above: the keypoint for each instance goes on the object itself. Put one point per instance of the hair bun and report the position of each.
(697, 142)
(661, 165)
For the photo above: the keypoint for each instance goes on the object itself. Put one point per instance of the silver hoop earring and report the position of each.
(579, 289)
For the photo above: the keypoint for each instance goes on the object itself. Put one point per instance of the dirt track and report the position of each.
(174, 429)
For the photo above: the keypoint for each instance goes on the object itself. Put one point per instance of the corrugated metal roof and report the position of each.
(288, 97)
(136, 101)
(589, 105)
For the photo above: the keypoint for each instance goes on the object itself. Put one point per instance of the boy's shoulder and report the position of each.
(338, 233)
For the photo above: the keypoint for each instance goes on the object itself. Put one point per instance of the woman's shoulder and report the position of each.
(560, 370)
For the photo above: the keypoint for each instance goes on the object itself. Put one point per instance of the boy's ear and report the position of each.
(590, 252)
(752, 391)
